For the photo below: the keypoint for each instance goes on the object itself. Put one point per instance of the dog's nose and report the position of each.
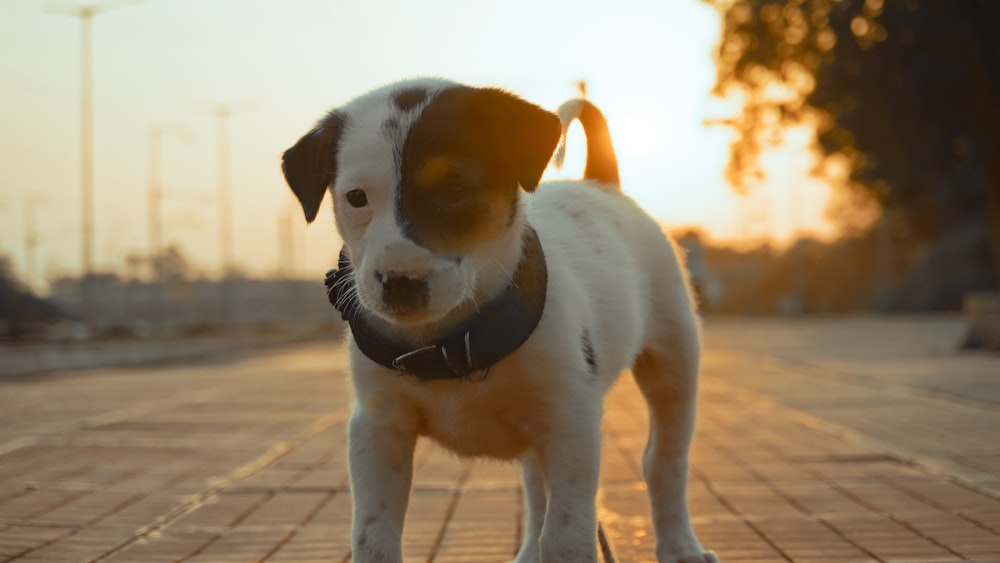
(404, 293)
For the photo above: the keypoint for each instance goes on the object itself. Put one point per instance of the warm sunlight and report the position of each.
(637, 132)
(276, 69)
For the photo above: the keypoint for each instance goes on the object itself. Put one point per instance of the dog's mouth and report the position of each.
(401, 308)
(405, 297)
(415, 318)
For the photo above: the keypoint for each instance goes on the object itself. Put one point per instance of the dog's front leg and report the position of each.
(381, 468)
(533, 485)
(571, 460)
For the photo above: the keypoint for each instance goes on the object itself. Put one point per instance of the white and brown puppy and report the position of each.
(494, 320)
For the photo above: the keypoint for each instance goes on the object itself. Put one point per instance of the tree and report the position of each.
(904, 96)
(171, 265)
(19, 308)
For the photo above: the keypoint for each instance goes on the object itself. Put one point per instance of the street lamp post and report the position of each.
(222, 114)
(85, 13)
(30, 241)
(155, 214)
(155, 202)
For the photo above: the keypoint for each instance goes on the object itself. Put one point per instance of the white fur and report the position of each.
(611, 273)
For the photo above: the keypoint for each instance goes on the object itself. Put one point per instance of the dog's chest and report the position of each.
(482, 419)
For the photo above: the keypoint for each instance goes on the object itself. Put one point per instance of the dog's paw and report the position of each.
(707, 557)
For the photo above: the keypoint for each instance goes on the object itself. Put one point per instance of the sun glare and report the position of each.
(635, 134)
(650, 75)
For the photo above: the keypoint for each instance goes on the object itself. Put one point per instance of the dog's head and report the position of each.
(424, 177)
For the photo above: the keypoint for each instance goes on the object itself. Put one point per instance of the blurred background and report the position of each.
(811, 156)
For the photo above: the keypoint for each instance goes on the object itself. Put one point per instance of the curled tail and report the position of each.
(602, 165)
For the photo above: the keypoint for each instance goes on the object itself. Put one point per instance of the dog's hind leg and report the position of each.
(533, 487)
(667, 374)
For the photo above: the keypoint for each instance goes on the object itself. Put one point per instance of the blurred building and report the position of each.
(189, 306)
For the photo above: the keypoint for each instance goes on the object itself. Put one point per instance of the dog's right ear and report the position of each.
(311, 164)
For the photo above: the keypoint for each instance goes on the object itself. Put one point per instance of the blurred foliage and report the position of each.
(20, 310)
(904, 96)
(813, 276)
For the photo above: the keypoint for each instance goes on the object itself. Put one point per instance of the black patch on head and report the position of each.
(588, 352)
(409, 98)
(481, 144)
(311, 164)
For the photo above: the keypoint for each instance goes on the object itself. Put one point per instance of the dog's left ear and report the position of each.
(311, 164)
(523, 135)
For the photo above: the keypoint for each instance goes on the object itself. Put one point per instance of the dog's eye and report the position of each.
(357, 198)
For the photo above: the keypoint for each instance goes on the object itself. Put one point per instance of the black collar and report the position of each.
(495, 331)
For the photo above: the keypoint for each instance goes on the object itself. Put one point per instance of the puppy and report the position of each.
(492, 314)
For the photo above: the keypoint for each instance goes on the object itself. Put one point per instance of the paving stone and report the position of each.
(246, 462)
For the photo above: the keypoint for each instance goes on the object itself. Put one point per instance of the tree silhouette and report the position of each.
(19, 308)
(904, 95)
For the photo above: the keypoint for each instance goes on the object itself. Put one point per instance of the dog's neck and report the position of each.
(507, 307)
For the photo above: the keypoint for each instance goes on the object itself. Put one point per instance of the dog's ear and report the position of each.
(311, 164)
(523, 135)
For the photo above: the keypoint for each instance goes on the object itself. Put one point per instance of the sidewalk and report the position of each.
(901, 382)
(245, 462)
(18, 360)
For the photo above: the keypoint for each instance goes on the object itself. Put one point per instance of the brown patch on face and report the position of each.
(453, 206)
(462, 163)
(436, 170)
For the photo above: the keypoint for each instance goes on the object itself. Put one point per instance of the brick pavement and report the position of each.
(245, 462)
(901, 382)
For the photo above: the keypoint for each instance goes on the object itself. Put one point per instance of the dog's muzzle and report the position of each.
(468, 350)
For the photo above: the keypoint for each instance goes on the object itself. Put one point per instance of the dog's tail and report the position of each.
(602, 165)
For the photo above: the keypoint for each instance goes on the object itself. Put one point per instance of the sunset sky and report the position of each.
(281, 65)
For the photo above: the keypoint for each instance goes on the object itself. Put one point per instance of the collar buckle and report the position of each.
(429, 363)
(433, 362)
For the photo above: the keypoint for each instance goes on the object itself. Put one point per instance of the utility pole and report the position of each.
(155, 219)
(154, 197)
(85, 13)
(223, 112)
(155, 190)
(30, 241)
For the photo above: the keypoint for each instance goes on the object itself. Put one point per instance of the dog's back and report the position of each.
(622, 277)
(622, 287)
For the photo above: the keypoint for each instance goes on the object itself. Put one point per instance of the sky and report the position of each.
(281, 65)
